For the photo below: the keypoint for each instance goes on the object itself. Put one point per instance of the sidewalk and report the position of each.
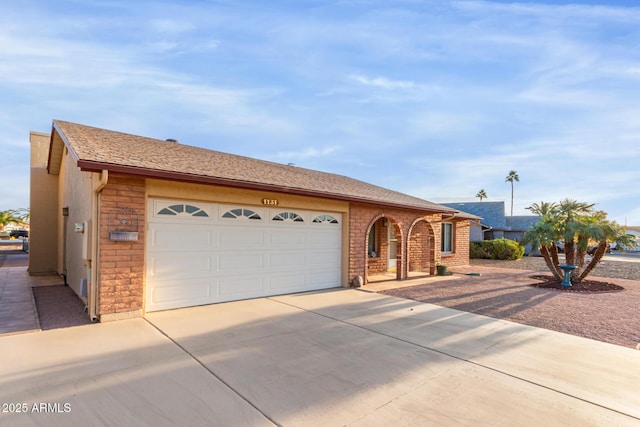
(18, 312)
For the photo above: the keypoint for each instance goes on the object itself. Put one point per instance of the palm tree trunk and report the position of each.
(580, 254)
(597, 257)
(569, 252)
(512, 198)
(554, 255)
(548, 259)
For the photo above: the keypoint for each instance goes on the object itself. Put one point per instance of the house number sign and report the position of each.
(270, 202)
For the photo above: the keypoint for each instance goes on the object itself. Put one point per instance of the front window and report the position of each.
(447, 237)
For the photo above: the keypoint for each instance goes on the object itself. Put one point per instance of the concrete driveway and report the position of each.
(344, 357)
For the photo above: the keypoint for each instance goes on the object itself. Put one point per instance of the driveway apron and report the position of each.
(350, 357)
(113, 374)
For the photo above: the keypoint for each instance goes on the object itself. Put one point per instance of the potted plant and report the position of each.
(441, 269)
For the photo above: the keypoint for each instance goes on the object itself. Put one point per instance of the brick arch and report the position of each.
(400, 244)
(421, 247)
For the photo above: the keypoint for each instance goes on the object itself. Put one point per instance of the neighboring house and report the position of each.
(136, 224)
(634, 231)
(517, 225)
(495, 224)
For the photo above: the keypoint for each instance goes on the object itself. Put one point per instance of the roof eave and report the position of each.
(56, 145)
(93, 166)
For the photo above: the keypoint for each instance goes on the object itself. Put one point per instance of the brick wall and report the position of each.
(378, 264)
(417, 252)
(460, 255)
(121, 274)
(421, 249)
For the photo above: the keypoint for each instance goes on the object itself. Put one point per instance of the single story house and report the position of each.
(136, 224)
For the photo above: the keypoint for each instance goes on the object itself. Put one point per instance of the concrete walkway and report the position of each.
(18, 312)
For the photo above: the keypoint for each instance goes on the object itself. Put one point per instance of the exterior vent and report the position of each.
(171, 140)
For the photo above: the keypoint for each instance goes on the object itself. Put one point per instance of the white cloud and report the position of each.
(384, 83)
(306, 153)
(435, 123)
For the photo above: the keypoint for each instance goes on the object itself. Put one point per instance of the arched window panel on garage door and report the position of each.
(183, 209)
(241, 213)
(288, 217)
(326, 219)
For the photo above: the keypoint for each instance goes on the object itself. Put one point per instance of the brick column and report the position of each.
(121, 264)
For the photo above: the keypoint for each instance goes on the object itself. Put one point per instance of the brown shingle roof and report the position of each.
(97, 149)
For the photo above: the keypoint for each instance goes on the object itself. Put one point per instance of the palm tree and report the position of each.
(542, 209)
(8, 217)
(23, 215)
(544, 235)
(482, 194)
(577, 225)
(513, 176)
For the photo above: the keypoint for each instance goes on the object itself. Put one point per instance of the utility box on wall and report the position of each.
(86, 240)
(123, 225)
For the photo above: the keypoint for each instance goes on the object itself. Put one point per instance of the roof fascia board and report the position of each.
(58, 137)
(65, 140)
(91, 166)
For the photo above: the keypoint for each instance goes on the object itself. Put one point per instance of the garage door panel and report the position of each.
(327, 239)
(236, 237)
(181, 291)
(191, 265)
(240, 262)
(287, 238)
(287, 260)
(324, 258)
(189, 237)
(204, 260)
(323, 279)
(287, 282)
(241, 287)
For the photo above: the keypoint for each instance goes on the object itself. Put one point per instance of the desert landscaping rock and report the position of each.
(503, 290)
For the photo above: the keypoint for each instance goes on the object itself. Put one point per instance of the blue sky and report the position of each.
(437, 99)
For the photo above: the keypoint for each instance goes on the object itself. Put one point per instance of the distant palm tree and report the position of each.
(513, 176)
(542, 209)
(482, 194)
(8, 217)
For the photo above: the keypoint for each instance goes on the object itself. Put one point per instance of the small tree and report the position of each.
(577, 225)
(482, 194)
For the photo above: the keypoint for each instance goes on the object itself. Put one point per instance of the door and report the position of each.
(392, 252)
(202, 253)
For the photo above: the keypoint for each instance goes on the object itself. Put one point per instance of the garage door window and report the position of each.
(241, 214)
(288, 216)
(190, 210)
(326, 219)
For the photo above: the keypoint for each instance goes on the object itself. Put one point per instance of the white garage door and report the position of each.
(202, 253)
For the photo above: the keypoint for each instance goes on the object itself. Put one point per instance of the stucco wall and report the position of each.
(74, 192)
(475, 233)
(43, 206)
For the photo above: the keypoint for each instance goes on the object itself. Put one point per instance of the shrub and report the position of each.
(478, 250)
(503, 249)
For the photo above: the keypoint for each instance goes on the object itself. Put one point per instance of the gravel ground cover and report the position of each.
(59, 307)
(610, 267)
(503, 291)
